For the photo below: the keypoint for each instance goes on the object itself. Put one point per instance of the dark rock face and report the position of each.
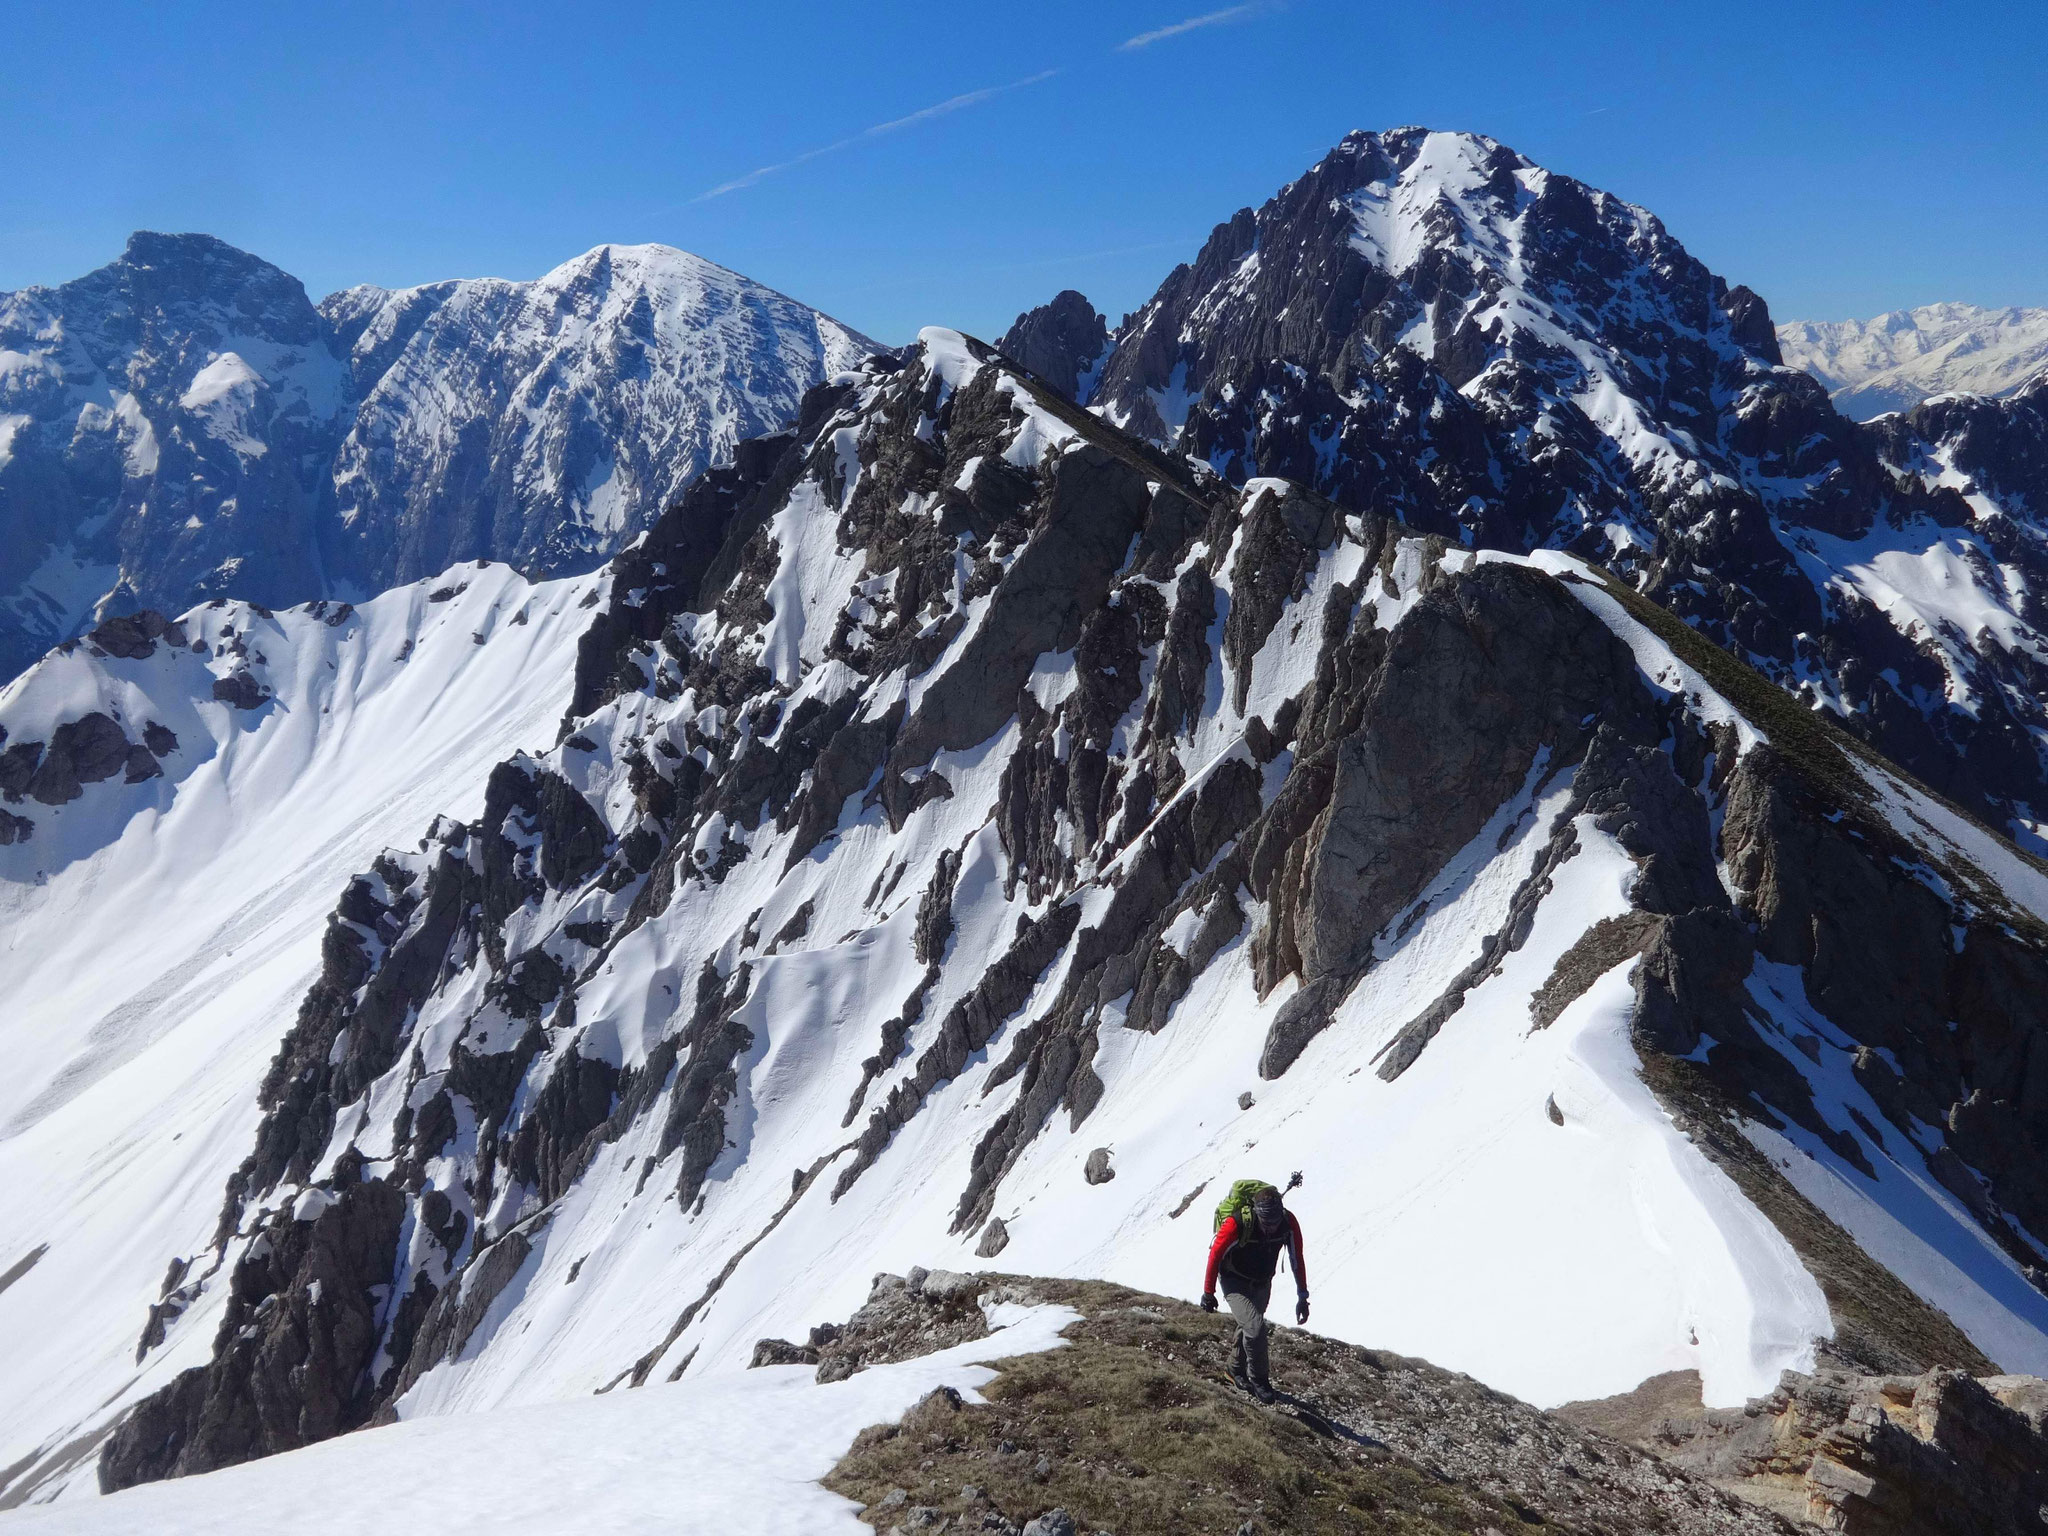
(88, 750)
(782, 1352)
(291, 1363)
(1431, 328)
(134, 636)
(1063, 342)
(82, 751)
(240, 690)
(455, 1313)
(1428, 763)
(667, 570)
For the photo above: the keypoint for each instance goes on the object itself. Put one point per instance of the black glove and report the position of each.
(1208, 1301)
(1301, 1308)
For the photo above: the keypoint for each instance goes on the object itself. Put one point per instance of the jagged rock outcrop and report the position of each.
(1062, 341)
(295, 1346)
(1942, 1451)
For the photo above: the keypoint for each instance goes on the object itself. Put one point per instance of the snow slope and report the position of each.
(157, 936)
(729, 1455)
(1006, 797)
(1902, 357)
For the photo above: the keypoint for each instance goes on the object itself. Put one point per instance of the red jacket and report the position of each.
(1226, 1239)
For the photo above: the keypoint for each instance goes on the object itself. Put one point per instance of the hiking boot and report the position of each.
(1263, 1391)
(1243, 1380)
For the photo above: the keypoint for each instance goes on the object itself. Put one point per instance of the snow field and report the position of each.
(733, 1454)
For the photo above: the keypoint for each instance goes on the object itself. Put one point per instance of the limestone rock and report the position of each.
(1061, 341)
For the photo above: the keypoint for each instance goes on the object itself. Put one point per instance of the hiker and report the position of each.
(1244, 1256)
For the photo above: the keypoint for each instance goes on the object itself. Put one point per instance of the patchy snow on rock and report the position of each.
(222, 397)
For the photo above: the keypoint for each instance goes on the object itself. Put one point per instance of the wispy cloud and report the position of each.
(944, 108)
(1207, 19)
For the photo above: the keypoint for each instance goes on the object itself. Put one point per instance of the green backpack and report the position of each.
(1238, 1203)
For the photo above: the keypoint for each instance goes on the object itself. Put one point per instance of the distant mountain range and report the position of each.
(1895, 361)
(184, 423)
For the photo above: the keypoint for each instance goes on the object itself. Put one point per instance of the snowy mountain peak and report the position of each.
(1462, 251)
(584, 401)
(1430, 326)
(184, 423)
(1891, 362)
(162, 426)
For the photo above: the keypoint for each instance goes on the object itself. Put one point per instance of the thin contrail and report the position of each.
(939, 109)
(1207, 19)
(974, 98)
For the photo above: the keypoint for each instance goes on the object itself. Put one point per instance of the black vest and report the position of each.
(1255, 1256)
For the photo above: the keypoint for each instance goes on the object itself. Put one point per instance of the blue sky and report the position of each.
(1841, 159)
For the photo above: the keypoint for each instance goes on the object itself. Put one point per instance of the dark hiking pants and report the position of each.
(1247, 1302)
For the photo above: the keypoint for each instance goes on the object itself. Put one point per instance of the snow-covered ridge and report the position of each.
(1897, 359)
(1016, 806)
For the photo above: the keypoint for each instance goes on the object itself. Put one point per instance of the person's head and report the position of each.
(1267, 1211)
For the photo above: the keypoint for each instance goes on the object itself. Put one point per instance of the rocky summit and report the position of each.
(975, 827)
(1431, 327)
(184, 423)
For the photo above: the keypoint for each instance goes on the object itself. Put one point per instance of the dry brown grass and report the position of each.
(1138, 1433)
